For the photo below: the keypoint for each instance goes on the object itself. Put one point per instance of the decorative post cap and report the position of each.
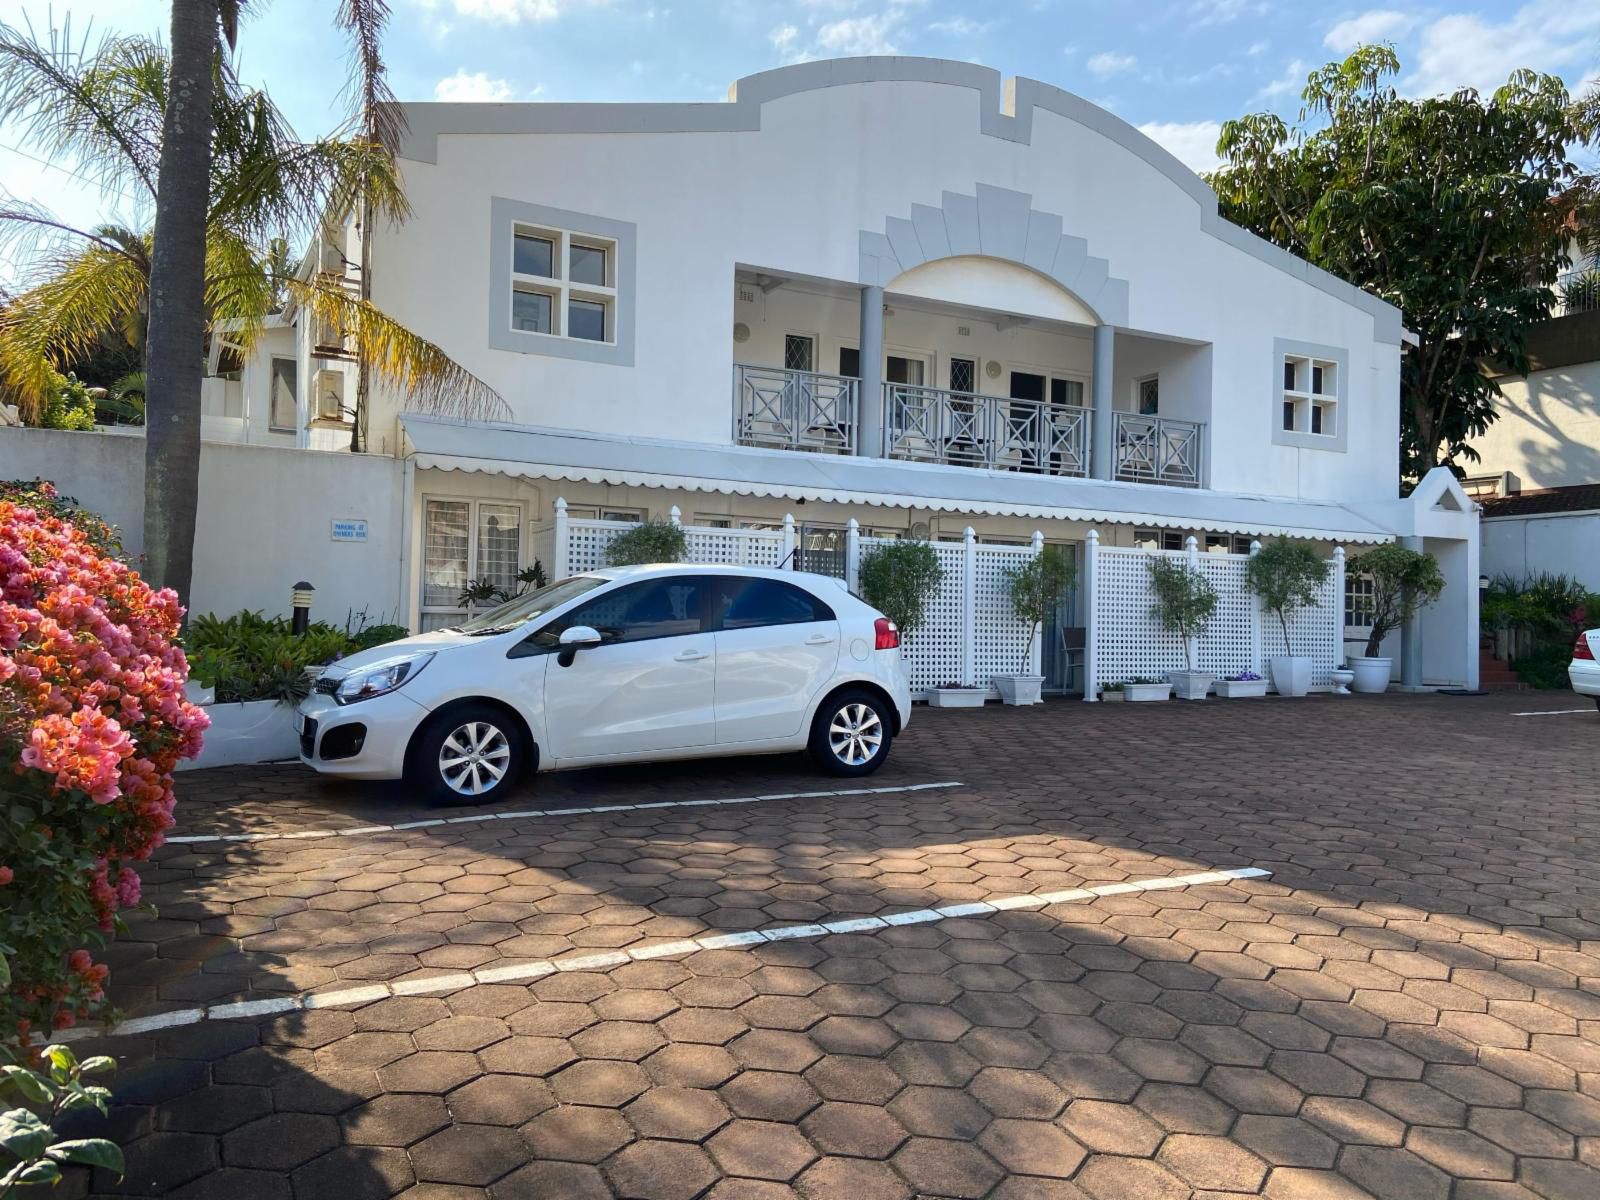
(561, 504)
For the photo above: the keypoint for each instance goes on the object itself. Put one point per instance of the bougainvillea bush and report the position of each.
(92, 722)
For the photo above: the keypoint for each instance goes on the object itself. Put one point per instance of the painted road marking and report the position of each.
(1553, 712)
(480, 818)
(528, 971)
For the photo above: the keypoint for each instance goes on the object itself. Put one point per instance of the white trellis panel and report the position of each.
(998, 634)
(733, 547)
(1129, 641)
(1317, 633)
(587, 541)
(934, 654)
(1229, 645)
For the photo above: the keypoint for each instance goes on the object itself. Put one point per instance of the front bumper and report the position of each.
(1585, 677)
(324, 726)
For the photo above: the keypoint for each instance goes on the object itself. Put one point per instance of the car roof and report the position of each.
(805, 578)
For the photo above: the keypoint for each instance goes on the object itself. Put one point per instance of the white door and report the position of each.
(649, 686)
(777, 646)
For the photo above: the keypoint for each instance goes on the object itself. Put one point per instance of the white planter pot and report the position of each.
(1142, 693)
(1372, 674)
(255, 731)
(199, 693)
(956, 697)
(1291, 674)
(1020, 689)
(1109, 696)
(1241, 689)
(1191, 685)
(1342, 678)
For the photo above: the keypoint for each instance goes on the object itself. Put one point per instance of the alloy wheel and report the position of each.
(855, 734)
(474, 758)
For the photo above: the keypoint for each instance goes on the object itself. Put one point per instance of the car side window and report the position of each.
(753, 603)
(636, 612)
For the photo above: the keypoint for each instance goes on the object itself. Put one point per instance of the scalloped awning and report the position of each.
(537, 453)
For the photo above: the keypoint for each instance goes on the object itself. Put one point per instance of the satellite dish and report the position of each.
(741, 333)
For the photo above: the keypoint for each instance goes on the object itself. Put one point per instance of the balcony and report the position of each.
(1158, 450)
(962, 429)
(795, 410)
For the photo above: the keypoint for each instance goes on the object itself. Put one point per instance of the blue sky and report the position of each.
(1173, 67)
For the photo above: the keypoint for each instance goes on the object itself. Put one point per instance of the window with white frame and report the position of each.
(467, 541)
(1358, 601)
(1158, 539)
(563, 284)
(1310, 395)
(282, 411)
(605, 512)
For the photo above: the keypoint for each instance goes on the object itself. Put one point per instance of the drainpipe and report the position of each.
(1411, 636)
(869, 425)
(1103, 421)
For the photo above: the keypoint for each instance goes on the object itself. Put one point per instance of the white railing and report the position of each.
(1158, 450)
(1578, 290)
(794, 410)
(963, 429)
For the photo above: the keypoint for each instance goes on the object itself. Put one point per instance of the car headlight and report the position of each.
(380, 678)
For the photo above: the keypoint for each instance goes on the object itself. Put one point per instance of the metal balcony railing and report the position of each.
(795, 410)
(1578, 290)
(1158, 450)
(961, 429)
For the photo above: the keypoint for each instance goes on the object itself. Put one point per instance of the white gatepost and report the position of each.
(1338, 607)
(561, 556)
(1091, 549)
(787, 557)
(1036, 648)
(1257, 650)
(852, 555)
(969, 607)
(1191, 648)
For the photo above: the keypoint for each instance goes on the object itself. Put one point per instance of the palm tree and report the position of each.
(112, 111)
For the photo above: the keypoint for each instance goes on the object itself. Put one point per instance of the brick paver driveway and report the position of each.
(1408, 1008)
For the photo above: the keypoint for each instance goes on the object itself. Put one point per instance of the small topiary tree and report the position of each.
(1403, 582)
(897, 578)
(1286, 576)
(1035, 588)
(648, 542)
(1184, 600)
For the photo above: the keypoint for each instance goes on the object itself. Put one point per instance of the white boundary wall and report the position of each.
(1124, 639)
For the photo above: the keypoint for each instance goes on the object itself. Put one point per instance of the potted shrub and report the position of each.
(648, 542)
(955, 695)
(1184, 602)
(1111, 692)
(1035, 589)
(1143, 690)
(897, 578)
(1286, 577)
(1246, 685)
(1403, 582)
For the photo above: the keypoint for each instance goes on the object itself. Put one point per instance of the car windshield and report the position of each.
(533, 604)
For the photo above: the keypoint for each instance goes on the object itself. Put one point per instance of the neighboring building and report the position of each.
(1538, 478)
(887, 289)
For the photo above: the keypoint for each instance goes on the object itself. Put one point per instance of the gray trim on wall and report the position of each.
(1339, 440)
(504, 214)
(1006, 112)
(996, 223)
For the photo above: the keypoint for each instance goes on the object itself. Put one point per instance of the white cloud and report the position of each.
(960, 27)
(869, 34)
(1466, 50)
(1377, 25)
(783, 38)
(476, 86)
(510, 12)
(1224, 12)
(1194, 143)
(1257, 49)
(1291, 83)
(1109, 62)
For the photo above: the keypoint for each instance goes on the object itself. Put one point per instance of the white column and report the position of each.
(852, 555)
(869, 424)
(787, 556)
(1191, 649)
(1474, 597)
(1258, 662)
(561, 566)
(1411, 635)
(675, 515)
(1338, 605)
(1091, 549)
(1103, 422)
(969, 607)
(1036, 659)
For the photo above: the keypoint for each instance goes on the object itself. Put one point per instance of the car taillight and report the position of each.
(888, 634)
(1580, 648)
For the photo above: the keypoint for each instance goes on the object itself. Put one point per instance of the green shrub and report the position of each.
(648, 542)
(30, 1151)
(1286, 576)
(377, 635)
(251, 657)
(70, 407)
(1403, 582)
(1184, 600)
(1036, 587)
(897, 579)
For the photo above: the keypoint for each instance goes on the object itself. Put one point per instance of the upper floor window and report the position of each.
(563, 284)
(1310, 398)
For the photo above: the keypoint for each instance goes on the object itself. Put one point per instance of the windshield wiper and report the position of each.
(487, 630)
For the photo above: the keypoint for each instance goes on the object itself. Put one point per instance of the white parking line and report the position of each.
(1553, 712)
(480, 818)
(529, 971)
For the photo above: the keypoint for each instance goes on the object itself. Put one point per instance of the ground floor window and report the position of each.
(467, 543)
(604, 512)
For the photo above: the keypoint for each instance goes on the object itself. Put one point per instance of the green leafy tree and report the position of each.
(1184, 600)
(1441, 206)
(1286, 576)
(1035, 588)
(655, 541)
(1403, 582)
(69, 407)
(897, 578)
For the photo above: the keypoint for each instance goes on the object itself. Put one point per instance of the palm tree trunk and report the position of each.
(175, 346)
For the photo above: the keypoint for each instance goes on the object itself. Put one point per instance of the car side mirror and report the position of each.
(578, 637)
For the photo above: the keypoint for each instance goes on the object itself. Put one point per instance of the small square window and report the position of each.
(1288, 375)
(587, 264)
(1288, 415)
(530, 312)
(1316, 418)
(533, 256)
(1316, 379)
(587, 320)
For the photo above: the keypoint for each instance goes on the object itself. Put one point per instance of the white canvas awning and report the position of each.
(538, 453)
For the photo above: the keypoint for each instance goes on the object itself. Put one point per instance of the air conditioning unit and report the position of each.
(328, 393)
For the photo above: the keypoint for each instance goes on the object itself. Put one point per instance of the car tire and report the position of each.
(474, 754)
(851, 733)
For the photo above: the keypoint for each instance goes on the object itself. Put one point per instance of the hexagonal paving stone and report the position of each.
(624, 1040)
(1112, 1128)
(474, 1155)
(1107, 1178)
(940, 1113)
(1032, 1148)
(684, 1114)
(1285, 1141)
(397, 1120)
(577, 1133)
(761, 1150)
(1218, 1164)
(610, 1084)
(356, 1172)
(660, 1170)
(436, 1071)
(691, 1065)
(864, 1080)
(1394, 1174)
(945, 1168)
(859, 1179)
(858, 1130)
(1460, 1154)
(769, 1096)
(1007, 1092)
(528, 1056)
(280, 1142)
(500, 1100)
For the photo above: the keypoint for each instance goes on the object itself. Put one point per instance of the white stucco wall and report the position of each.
(1548, 431)
(794, 197)
(1552, 543)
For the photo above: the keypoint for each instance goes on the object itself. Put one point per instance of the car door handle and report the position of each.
(690, 656)
(819, 639)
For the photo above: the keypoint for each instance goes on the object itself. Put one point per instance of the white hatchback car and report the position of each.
(622, 665)
(1584, 669)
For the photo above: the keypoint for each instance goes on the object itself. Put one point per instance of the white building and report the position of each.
(889, 289)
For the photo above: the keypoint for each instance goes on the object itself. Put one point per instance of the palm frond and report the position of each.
(30, 233)
(367, 90)
(398, 358)
(359, 174)
(241, 287)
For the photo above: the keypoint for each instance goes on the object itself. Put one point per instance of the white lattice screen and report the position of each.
(1230, 644)
(587, 541)
(998, 634)
(933, 654)
(1129, 641)
(1317, 633)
